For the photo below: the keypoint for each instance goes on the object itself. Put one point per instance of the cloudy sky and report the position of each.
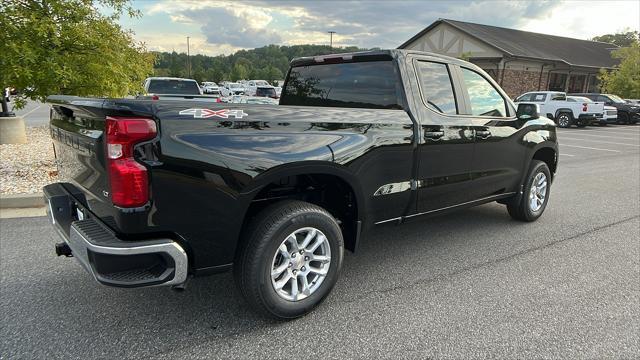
(222, 27)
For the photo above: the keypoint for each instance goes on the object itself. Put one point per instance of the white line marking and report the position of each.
(605, 136)
(586, 147)
(566, 154)
(32, 110)
(601, 141)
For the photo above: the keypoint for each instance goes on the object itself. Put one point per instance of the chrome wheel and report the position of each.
(300, 264)
(563, 120)
(538, 192)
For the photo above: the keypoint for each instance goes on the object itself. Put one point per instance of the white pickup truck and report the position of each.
(554, 105)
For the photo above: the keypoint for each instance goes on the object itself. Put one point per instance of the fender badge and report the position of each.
(207, 113)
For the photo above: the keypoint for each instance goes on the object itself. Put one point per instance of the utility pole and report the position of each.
(188, 60)
(331, 38)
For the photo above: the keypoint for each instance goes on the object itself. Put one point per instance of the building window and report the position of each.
(576, 83)
(557, 81)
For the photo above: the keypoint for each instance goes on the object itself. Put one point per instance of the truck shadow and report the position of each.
(211, 308)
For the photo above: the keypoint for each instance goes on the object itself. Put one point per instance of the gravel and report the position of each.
(26, 168)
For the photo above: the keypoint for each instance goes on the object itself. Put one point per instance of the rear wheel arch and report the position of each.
(331, 187)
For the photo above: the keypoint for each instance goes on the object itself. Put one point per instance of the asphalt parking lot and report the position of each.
(474, 284)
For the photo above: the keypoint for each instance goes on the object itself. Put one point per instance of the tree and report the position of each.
(69, 47)
(624, 81)
(239, 72)
(622, 39)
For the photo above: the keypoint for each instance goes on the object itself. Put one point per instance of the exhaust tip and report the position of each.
(62, 249)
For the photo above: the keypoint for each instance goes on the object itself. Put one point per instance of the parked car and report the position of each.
(211, 88)
(232, 88)
(627, 113)
(170, 88)
(609, 115)
(252, 86)
(633, 101)
(156, 192)
(554, 105)
(266, 91)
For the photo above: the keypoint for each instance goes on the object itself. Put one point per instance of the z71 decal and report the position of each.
(207, 113)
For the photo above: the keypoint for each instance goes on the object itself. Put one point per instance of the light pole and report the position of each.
(188, 59)
(331, 38)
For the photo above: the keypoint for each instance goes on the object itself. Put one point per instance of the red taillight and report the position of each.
(155, 97)
(128, 178)
(584, 106)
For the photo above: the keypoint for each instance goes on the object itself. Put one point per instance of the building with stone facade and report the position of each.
(519, 61)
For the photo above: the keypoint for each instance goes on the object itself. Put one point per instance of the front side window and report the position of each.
(485, 99)
(363, 84)
(437, 90)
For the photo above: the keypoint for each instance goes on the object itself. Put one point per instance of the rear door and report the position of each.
(445, 145)
(498, 152)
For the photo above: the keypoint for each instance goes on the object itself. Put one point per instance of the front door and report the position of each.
(499, 152)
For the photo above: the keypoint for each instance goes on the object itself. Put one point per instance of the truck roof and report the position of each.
(388, 53)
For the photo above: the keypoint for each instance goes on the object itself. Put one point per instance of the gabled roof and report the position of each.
(525, 44)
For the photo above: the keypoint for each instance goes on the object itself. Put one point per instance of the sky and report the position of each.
(222, 27)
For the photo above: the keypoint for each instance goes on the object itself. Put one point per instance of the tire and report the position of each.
(260, 254)
(564, 120)
(523, 210)
(623, 118)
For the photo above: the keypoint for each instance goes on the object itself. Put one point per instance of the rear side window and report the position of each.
(539, 97)
(485, 99)
(436, 87)
(373, 84)
(180, 87)
(558, 97)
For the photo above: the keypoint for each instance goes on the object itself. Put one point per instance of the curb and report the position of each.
(21, 201)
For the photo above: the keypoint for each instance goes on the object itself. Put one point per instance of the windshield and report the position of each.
(264, 91)
(616, 99)
(173, 86)
(261, 83)
(231, 86)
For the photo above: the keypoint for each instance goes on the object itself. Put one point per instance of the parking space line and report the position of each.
(562, 154)
(606, 136)
(600, 141)
(591, 148)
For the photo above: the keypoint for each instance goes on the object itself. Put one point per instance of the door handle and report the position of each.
(433, 135)
(483, 134)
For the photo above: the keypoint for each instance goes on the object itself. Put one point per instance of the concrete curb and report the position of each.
(21, 201)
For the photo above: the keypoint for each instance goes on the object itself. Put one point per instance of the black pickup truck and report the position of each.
(156, 192)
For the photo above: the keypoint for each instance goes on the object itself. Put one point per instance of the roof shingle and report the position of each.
(518, 43)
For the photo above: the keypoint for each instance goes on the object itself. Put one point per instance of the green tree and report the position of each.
(69, 47)
(622, 39)
(239, 72)
(624, 81)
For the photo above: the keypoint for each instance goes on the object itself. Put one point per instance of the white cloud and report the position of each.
(226, 25)
(586, 19)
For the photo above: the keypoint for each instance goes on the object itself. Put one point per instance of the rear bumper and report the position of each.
(110, 260)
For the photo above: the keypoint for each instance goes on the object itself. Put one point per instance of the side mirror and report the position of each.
(528, 111)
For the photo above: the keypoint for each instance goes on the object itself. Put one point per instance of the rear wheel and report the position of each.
(623, 118)
(564, 120)
(290, 259)
(534, 200)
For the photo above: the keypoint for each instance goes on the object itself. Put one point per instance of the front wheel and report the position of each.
(564, 120)
(535, 194)
(623, 118)
(290, 259)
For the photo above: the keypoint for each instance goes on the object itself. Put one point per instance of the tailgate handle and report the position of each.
(433, 135)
